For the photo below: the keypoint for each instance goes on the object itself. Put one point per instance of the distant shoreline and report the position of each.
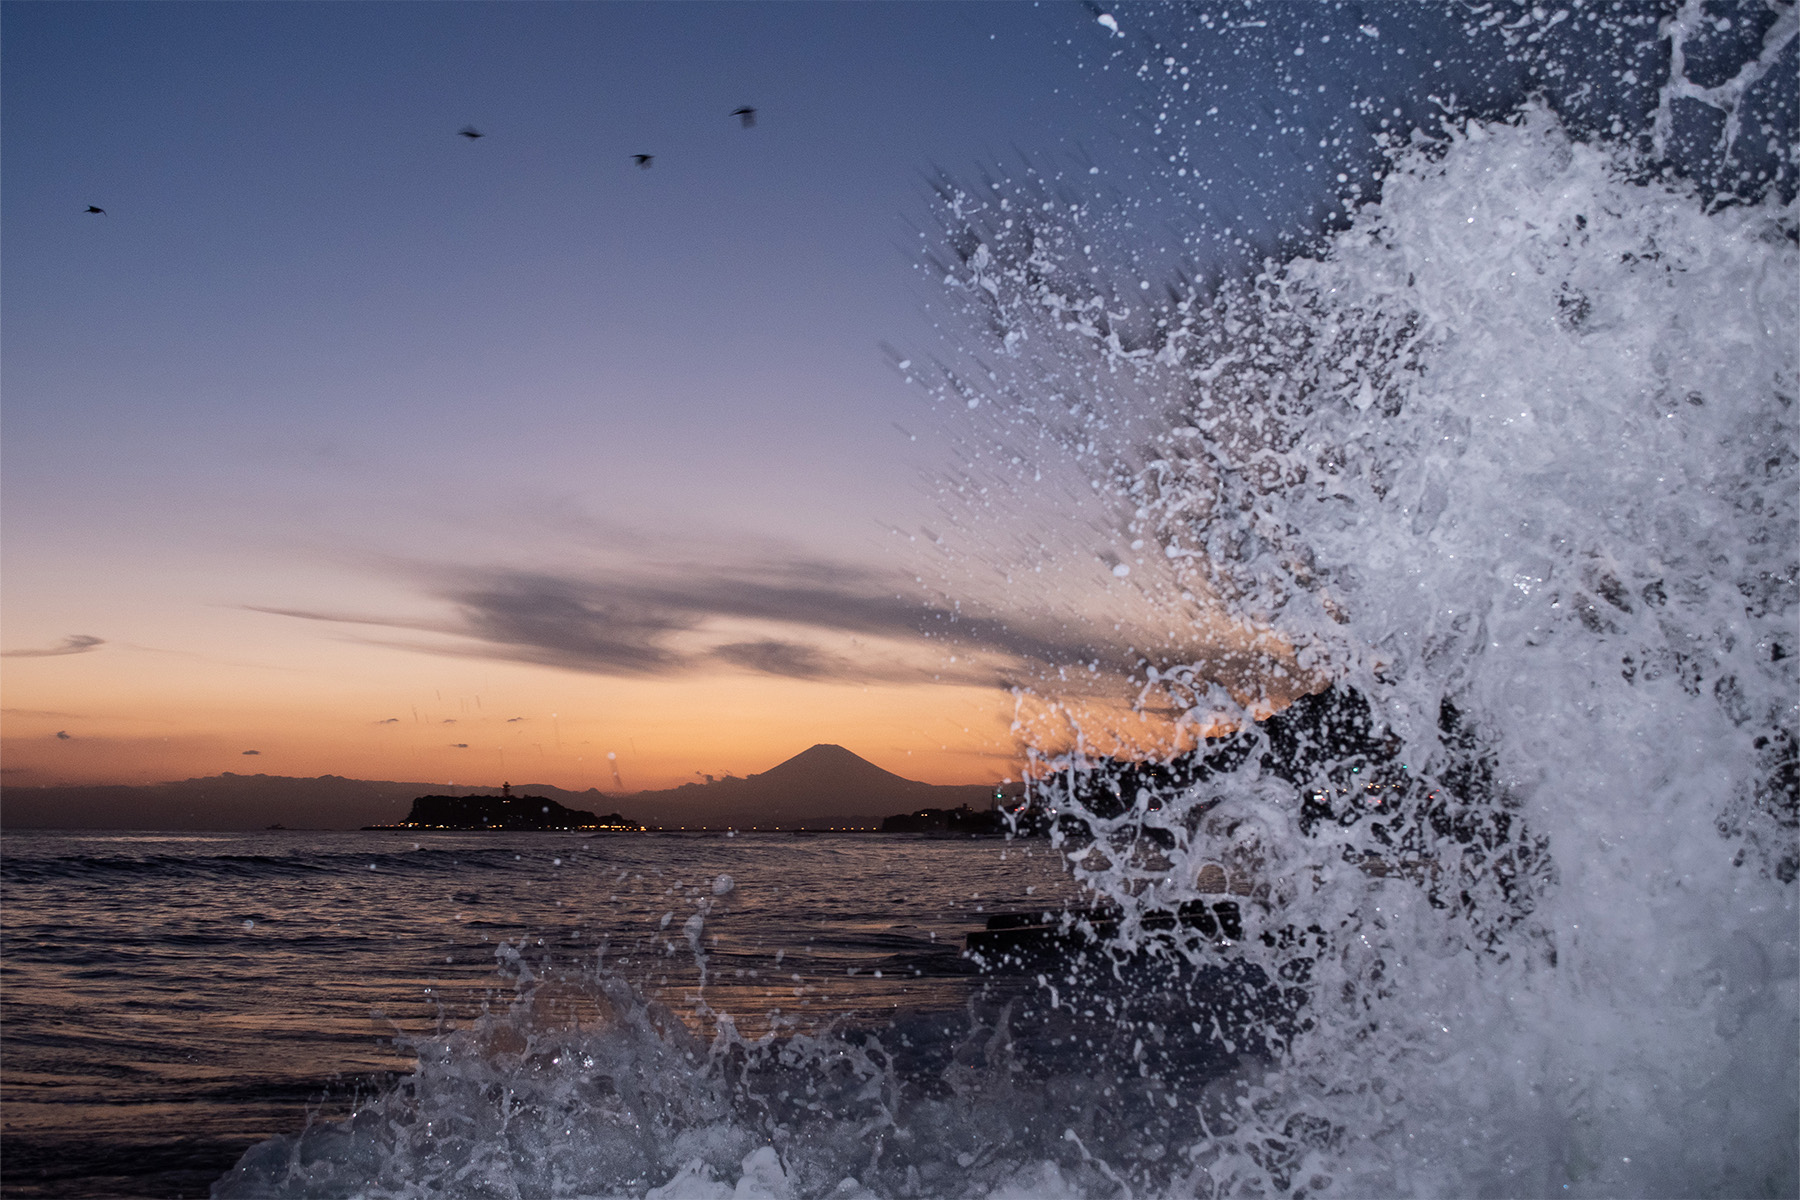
(825, 788)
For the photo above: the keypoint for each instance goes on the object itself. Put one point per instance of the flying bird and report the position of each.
(470, 132)
(93, 209)
(642, 160)
(745, 114)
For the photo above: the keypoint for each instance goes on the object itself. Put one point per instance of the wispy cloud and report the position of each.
(826, 621)
(75, 643)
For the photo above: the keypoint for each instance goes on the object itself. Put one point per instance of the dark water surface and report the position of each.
(171, 999)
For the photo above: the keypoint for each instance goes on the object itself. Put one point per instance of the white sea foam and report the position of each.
(1515, 460)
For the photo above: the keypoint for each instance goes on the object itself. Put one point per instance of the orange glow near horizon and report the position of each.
(269, 696)
(118, 716)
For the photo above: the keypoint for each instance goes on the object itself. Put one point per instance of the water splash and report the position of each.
(1510, 461)
(582, 1086)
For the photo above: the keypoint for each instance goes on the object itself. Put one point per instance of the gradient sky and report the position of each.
(377, 451)
(388, 453)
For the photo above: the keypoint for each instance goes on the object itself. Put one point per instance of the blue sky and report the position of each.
(305, 282)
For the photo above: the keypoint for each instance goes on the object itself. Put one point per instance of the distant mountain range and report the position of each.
(825, 785)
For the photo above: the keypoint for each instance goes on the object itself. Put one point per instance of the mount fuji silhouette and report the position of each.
(822, 785)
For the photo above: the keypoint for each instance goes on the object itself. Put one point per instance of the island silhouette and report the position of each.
(504, 813)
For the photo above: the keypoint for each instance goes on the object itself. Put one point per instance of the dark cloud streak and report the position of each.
(75, 643)
(625, 624)
(771, 657)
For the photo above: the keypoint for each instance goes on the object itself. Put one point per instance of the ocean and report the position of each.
(173, 999)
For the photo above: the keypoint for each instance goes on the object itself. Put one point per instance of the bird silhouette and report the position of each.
(470, 132)
(642, 160)
(745, 114)
(93, 209)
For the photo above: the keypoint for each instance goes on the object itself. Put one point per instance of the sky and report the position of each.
(342, 443)
(380, 451)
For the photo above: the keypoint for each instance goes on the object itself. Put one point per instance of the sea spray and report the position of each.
(582, 1086)
(1513, 461)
